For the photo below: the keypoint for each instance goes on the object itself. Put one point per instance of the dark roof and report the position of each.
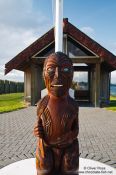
(23, 58)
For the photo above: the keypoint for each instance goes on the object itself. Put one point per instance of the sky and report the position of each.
(24, 21)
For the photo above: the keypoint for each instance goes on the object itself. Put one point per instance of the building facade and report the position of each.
(87, 56)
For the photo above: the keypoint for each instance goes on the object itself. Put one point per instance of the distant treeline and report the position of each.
(11, 87)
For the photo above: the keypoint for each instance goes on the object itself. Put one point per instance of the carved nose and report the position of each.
(57, 72)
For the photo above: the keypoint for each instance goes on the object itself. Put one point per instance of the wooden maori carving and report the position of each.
(57, 124)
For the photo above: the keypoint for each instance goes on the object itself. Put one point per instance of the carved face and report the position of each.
(58, 74)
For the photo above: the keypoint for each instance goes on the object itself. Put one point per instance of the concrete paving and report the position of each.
(97, 136)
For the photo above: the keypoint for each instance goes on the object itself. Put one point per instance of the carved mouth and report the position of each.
(57, 85)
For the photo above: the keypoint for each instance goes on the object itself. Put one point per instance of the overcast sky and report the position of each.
(23, 21)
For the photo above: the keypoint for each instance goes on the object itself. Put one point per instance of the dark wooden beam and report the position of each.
(87, 60)
(90, 60)
(81, 68)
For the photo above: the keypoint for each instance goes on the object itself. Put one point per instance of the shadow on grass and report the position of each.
(112, 103)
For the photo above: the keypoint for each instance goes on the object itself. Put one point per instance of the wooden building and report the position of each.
(81, 49)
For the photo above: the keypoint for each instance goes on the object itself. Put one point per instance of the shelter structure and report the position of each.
(86, 54)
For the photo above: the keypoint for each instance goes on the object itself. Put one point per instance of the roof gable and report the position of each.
(24, 57)
(91, 45)
(75, 49)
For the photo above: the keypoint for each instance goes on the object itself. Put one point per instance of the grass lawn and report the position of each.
(112, 105)
(11, 102)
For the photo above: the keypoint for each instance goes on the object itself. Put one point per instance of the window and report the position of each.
(74, 49)
(47, 51)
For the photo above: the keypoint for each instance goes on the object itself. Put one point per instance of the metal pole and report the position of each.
(59, 26)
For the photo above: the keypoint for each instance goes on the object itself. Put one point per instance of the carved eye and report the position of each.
(66, 69)
(50, 70)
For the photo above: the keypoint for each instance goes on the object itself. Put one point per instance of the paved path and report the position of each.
(97, 136)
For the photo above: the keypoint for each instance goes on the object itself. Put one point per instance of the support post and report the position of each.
(89, 84)
(109, 86)
(97, 85)
(36, 83)
(27, 85)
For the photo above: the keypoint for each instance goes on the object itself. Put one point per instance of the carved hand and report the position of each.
(38, 129)
(66, 139)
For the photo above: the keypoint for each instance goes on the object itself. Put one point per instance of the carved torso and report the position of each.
(56, 124)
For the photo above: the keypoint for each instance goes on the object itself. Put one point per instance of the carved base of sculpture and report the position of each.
(59, 161)
(57, 124)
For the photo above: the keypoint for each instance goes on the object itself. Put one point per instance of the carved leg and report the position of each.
(70, 163)
(44, 164)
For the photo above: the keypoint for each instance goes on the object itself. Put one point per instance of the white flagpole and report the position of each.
(59, 26)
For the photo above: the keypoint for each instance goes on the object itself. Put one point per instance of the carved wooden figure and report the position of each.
(57, 124)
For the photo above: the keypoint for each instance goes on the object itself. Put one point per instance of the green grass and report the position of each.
(112, 105)
(11, 102)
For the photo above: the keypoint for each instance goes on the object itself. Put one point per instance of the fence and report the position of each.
(11, 87)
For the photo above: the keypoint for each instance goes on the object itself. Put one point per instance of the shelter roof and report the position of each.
(23, 58)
